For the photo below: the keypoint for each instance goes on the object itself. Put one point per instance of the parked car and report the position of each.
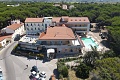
(100, 34)
(43, 74)
(103, 36)
(34, 68)
(1, 75)
(42, 79)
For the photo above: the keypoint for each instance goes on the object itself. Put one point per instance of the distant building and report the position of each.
(64, 6)
(15, 21)
(57, 4)
(14, 5)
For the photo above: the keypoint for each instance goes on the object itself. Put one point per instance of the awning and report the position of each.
(50, 51)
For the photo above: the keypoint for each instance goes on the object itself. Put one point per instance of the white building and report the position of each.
(34, 26)
(78, 24)
(15, 22)
(4, 39)
(64, 6)
(14, 29)
(37, 25)
(47, 22)
(2, 42)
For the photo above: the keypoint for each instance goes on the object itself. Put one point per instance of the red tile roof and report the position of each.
(58, 33)
(78, 19)
(71, 19)
(34, 20)
(4, 37)
(14, 26)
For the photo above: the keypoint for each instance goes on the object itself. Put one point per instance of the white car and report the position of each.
(42, 78)
(43, 74)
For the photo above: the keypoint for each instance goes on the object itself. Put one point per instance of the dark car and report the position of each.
(103, 36)
(1, 75)
(34, 68)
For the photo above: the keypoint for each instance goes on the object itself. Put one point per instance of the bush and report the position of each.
(62, 69)
(68, 66)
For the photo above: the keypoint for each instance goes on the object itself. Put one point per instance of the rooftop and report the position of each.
(57, 33)
(34, 20)
(4, 37)
(78, 19)
(70, 19)
(14, 26)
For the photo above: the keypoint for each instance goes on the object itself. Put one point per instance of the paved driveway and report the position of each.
(14, 67)
(23, 74)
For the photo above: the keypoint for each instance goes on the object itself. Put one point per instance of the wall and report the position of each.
(34, 28)
(3, 42)
(8, 30)
(20, 30)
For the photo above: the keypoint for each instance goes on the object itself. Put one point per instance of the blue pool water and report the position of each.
(88, 42)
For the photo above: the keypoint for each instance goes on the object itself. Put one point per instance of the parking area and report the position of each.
(23, 72)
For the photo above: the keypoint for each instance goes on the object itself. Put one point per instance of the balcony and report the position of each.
(55, 43)
(78, 27)
(70, 43)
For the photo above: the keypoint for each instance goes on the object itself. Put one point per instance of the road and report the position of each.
(14, 67)
(5, 56)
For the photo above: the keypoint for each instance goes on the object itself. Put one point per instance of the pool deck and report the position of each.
(101, 42)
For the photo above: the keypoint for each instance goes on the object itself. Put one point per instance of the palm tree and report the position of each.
(91, 56)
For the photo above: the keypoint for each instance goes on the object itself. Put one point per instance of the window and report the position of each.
(27, 24)
(38, 28)
(75, 25)
(34, 24)
(31, 28)
(31, 24)
(38, 25)
(35, 28)
(27, 28)
(71, 50)
(45, 25)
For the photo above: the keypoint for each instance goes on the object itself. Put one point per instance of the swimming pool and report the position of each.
(88, 42)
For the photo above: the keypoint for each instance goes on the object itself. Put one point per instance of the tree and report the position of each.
(91, 56)
(108, 69)
(82, 71)
(108, 54)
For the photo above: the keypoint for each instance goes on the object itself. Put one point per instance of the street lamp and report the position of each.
(36, 60)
